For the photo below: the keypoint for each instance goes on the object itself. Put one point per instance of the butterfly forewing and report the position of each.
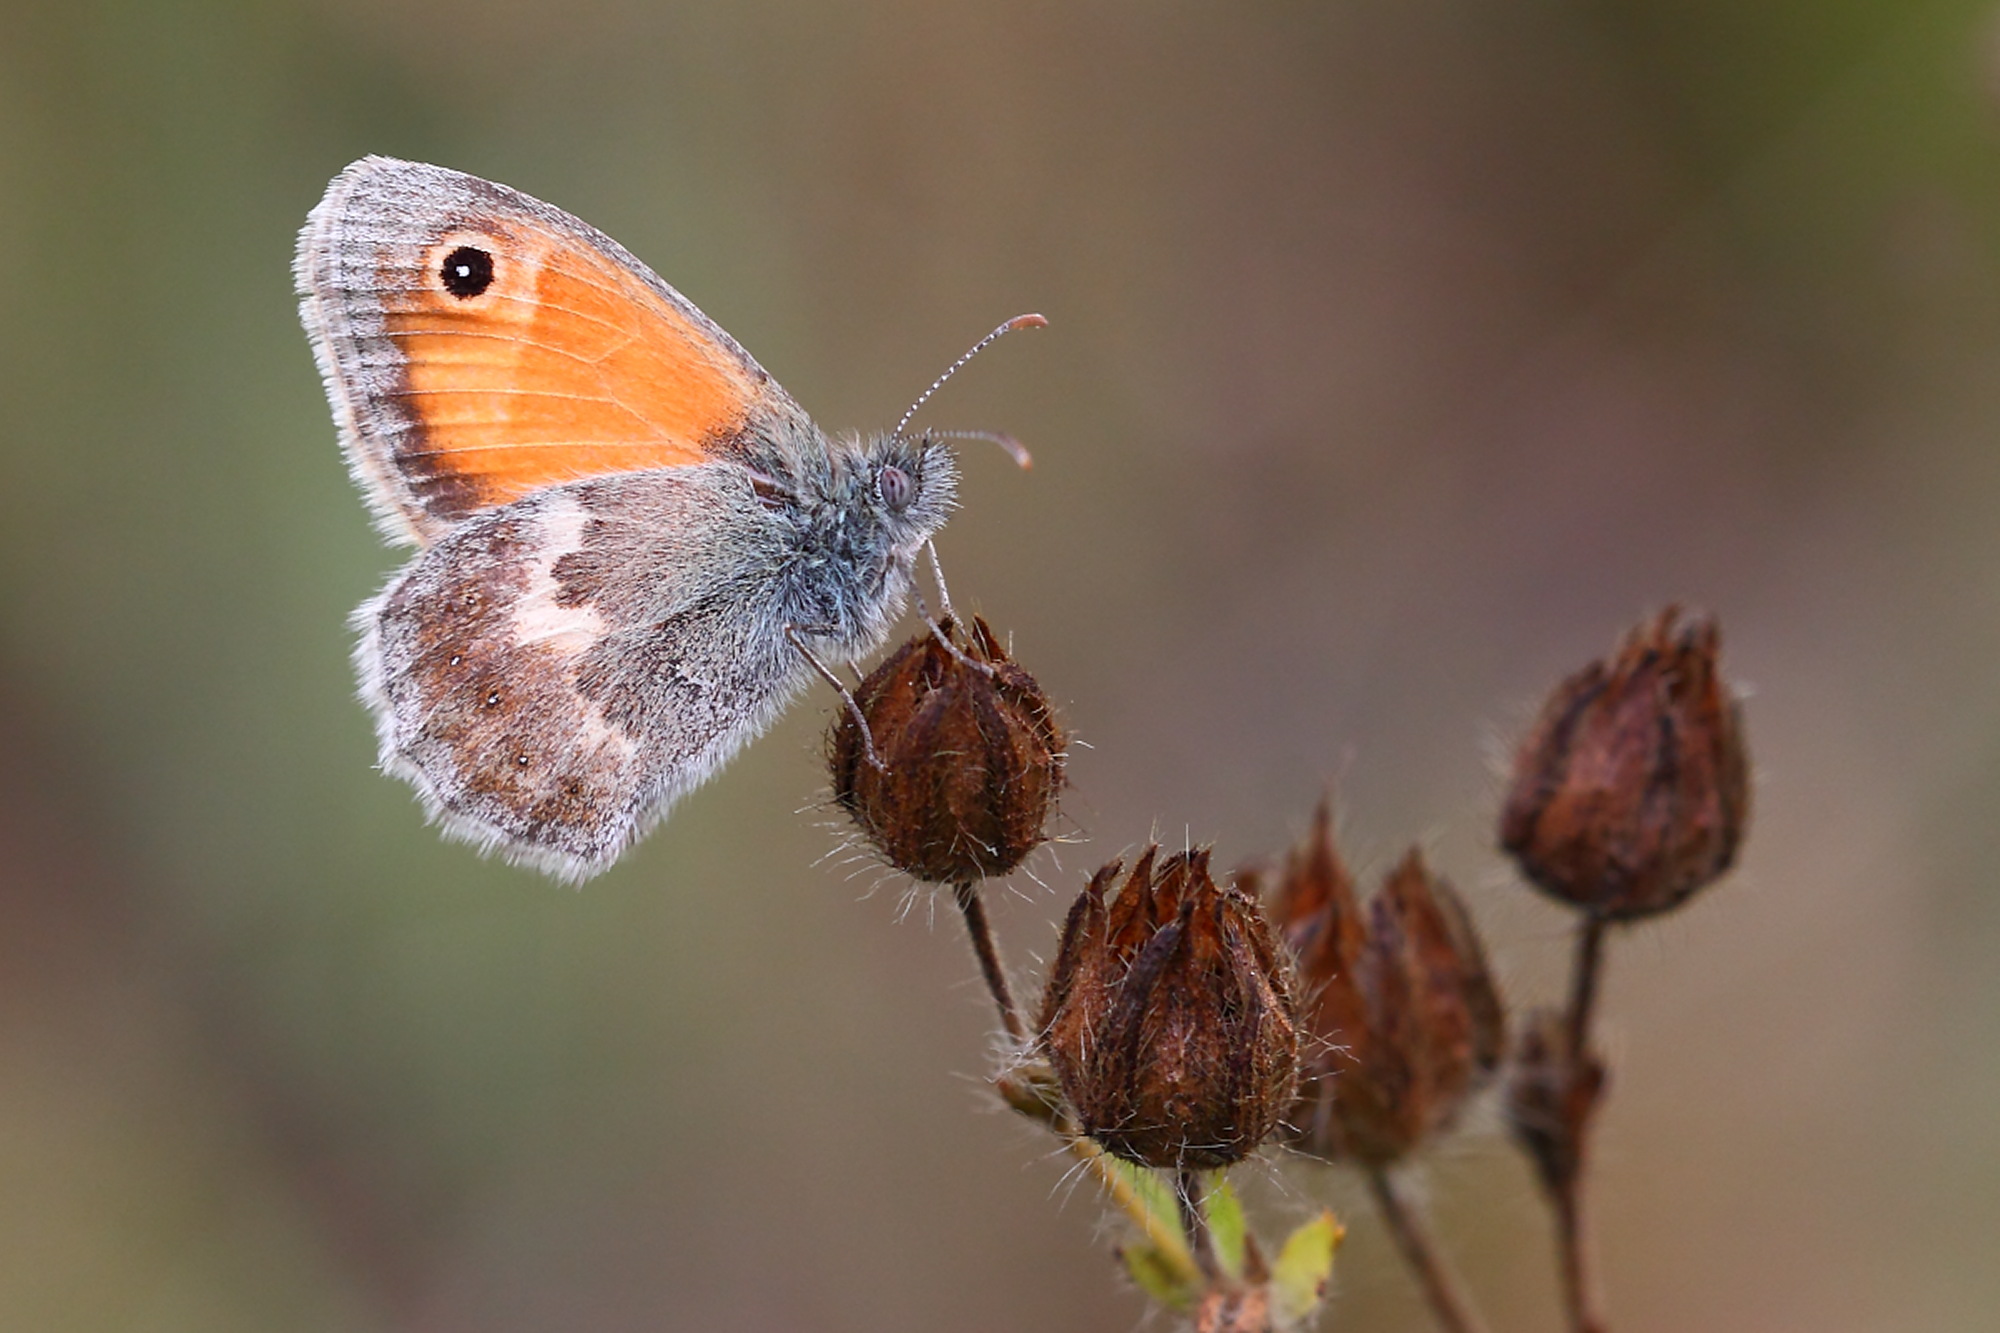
(478, 345)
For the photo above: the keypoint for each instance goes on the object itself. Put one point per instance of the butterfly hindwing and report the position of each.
(552, 675)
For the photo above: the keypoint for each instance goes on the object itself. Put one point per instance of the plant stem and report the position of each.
(1575, 1272)
(1122, 1181)
(974, 909)
(1188, 1193)
(1169, 1242)
(1440, 1286)
(1584, 973)
(1567, 1194)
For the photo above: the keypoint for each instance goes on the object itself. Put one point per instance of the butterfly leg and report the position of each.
(937, 572)
(846, 697)
(939, 626)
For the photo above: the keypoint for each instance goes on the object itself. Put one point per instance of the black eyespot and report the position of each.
(466, 272)
(895, 487)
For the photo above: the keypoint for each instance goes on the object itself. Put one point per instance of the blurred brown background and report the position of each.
(1401, 356)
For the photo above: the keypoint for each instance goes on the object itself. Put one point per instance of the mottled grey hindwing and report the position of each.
(551, 676)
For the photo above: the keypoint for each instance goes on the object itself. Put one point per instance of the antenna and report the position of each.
(1015, 449)
(1018, 322)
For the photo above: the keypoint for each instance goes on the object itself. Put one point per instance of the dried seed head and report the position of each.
(1169, 1016)
(972, 758)
(1407, 1020)
(1632, 791)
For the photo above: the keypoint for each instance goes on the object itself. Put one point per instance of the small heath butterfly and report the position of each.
(634, 548)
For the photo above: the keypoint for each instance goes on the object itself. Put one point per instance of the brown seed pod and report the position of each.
(1632, 791)
(1169, 1016)
(971, 758)
(1407, 1018)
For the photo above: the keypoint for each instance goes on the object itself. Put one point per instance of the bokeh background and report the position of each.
(1400, 357)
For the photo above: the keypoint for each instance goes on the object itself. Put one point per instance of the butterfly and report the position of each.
(633, 547)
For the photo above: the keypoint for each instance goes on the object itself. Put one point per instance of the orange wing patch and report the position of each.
(529, 360)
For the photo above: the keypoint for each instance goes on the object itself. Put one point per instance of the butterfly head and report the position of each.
(865, 509)
(911, 485)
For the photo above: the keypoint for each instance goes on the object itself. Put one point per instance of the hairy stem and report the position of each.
(1448, 1301)
(1578, 1289)
(1575, 1273)
(1031, 1091)
(1584, 972)
(1189, 1193)
(974, 909)
(1170, 1243)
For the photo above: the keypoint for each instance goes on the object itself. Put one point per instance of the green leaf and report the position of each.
(1158, 1259)
(1299, 1277)
(1160, 1210)
(1226, 1227)
(1159, 1276)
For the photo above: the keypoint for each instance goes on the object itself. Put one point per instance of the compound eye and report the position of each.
(896, 489)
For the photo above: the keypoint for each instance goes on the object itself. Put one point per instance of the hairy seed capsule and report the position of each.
(1169, 1016)
(1407, 1020)
(1632, 790)
(971, 758)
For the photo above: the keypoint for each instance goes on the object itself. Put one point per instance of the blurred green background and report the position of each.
(1401, 356)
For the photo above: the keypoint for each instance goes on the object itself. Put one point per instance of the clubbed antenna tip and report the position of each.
(1029, 321)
